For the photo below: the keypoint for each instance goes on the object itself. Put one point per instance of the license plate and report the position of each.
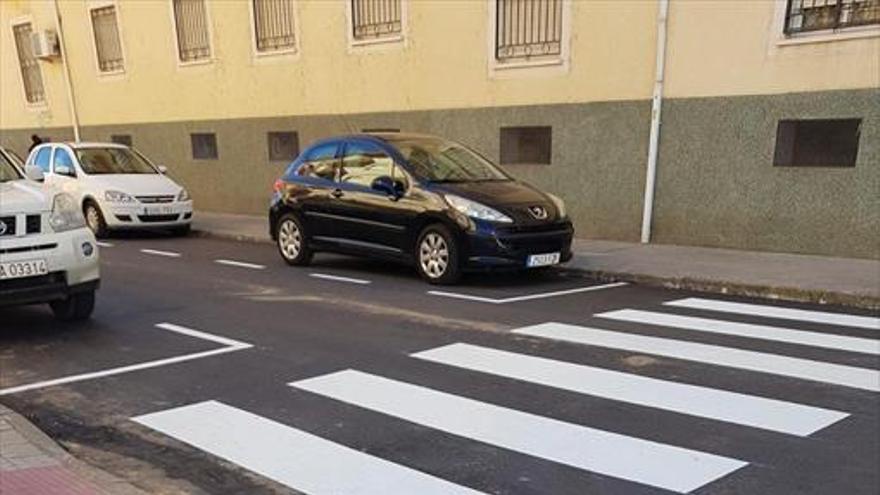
(159, 210)
(22, 269)
(545, 259)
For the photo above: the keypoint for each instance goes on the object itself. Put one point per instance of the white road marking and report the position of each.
(763, 332)
(337, 278)
(292, 457)
(230, 345)
(612, 454)
(805, 369)
(841, 319)
(240, 264)
(168, 254)
(104, 244)
(748, 410)
(529, 297)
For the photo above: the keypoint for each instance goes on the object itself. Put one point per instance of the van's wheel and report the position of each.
(76, 307)
(437, 255)
(95, 219)
(292, 241)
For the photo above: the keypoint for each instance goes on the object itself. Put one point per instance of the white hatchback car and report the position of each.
(47, 255)
(116, 186)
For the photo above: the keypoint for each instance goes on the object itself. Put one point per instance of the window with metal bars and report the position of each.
(108, 48)
(273, 25)
(193, 35)
(31, 76)
(376, 19)
(528, 29)
(820, 15)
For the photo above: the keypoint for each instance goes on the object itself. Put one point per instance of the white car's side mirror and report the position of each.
(34, 173)
(162, 169)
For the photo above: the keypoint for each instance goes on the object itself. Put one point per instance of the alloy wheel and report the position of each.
(290, 239)
(434, 255)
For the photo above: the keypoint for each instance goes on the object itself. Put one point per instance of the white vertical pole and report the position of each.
(74, 117)
(656, 106)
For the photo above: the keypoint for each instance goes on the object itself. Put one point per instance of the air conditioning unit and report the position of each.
(45, 45)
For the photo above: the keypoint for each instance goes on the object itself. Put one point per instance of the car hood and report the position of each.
(513, 198)
(136, 184)
(22, 196)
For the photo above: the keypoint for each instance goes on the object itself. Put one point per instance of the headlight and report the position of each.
(476, 210)
(560, 205)
(183, 196)
(118, 197)
(65, 214)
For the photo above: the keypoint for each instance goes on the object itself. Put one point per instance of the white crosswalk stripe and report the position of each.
(777, 334)
(624, 457)
(848, 376)
(294, 458)
(825, 317)
(758, 412)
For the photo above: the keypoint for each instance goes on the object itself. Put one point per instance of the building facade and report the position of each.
(769, 136)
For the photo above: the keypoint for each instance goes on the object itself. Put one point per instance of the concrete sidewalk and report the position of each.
(32, 464)
(796, 277)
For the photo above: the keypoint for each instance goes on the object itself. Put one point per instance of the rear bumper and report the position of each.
(510, 248)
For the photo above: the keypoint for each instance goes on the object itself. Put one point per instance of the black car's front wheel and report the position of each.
(437, 255)
(292, 241)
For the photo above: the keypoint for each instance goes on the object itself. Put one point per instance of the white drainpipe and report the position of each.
(74, 117)
(656, 105)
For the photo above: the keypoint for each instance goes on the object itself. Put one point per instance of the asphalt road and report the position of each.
(212, 367)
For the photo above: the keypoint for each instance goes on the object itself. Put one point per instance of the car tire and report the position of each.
(437, 255)
(77, 307)
(95, 219)
(291, 241)
(182, 231)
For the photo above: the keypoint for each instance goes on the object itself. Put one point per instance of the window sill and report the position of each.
(830, 36)
(286, 52)
(111, 75)
(526, 64)
(377, 41)
(195, 63)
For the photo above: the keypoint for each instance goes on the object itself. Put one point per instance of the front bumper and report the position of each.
(510, 247)
(140, 215)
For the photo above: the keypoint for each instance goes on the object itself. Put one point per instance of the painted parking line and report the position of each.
(240, 264)
(528, 297)
(291, 457)
(229, 345)
(168, 254)
(721, 405)
(840, 319)
(762, 362)
(748, 330)
(336, 278)
(612, 454)
(104, 244)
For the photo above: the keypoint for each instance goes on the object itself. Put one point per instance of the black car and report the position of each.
(419, 199)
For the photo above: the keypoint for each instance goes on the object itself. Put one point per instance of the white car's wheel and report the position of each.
(77, 307)
(95, 219)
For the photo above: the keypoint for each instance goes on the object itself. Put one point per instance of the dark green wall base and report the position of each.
(716, 182)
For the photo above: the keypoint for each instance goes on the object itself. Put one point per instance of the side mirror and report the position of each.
(64, 170)
(388, 186)
(162, 169)
(34, 173)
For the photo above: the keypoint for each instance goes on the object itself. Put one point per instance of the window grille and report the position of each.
(819, 15)
(376, 19)
(107, 45)
(30, 68)
(273, 25)
(527, 29)
(193, 37)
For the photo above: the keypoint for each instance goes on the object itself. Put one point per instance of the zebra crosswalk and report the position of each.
(314, 465)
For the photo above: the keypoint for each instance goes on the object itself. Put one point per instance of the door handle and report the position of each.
(337, 193)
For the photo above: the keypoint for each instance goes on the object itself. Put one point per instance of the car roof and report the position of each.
(86, 144)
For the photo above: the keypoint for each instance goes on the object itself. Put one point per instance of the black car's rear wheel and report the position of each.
(437, 255)
(292, 241)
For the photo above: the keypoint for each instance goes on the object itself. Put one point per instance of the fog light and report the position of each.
(88, 249)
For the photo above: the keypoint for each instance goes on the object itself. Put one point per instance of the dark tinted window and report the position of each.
(526, 145)
(363, 163)
(437, 160)
(817, 143)
(121, 139)
(42, 159)
(204, 146)
(62, 158)
(320, 162)
(283, 146)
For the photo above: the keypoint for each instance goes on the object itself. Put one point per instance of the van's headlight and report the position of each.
(183, 196)
(118, 197)
(560, 205)
(65, 214)
(476, 210)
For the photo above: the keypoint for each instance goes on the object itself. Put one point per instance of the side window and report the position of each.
(320, 162)
(62, 159)
(363, 163)
(42, 159)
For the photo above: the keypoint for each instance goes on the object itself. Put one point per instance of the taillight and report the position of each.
(278, 186)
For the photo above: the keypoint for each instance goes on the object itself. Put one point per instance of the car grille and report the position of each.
(10, 226)
(157, 218)
(156, 199)
(34, 224)
(536, 239)
(25, 249)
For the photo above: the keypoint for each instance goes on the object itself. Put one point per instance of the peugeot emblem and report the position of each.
(539, 212)
(3, 227)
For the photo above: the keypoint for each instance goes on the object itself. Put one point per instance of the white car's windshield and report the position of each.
(8, 172)
(98, 161)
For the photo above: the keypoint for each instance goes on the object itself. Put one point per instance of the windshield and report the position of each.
(8, 171)
(98, 161)
(436, 160)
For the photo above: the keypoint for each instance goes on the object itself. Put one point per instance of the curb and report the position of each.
(781, 293)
